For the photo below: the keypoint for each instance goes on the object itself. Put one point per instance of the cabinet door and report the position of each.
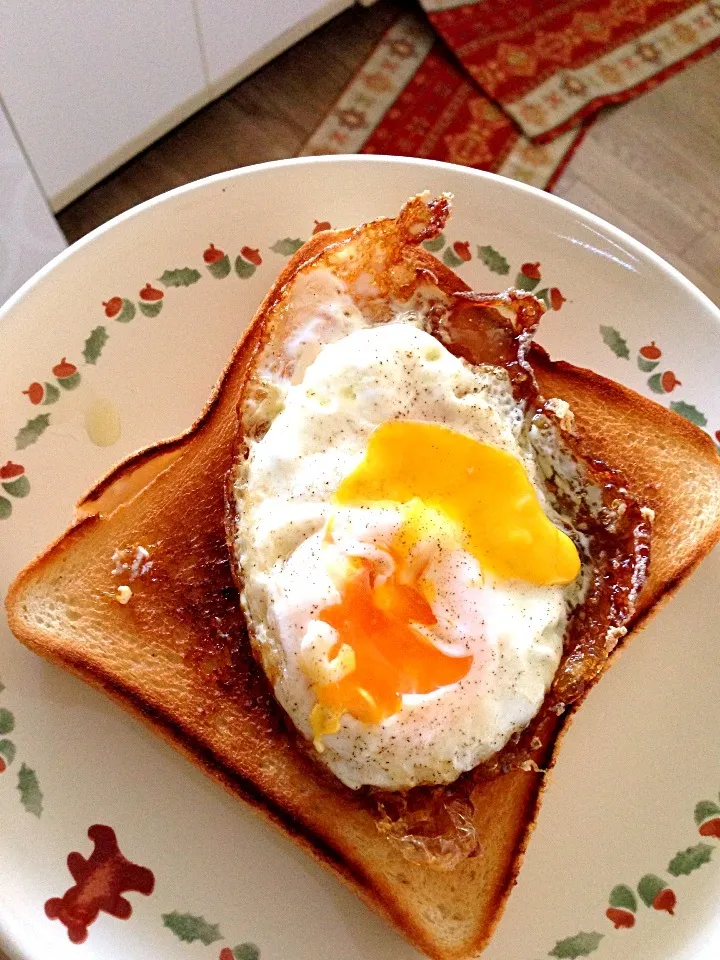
(241, 35)
(87, 84)
(29, 234)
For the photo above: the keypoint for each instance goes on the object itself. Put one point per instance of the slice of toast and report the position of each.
(177, 654)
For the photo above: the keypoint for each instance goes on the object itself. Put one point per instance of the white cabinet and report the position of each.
(240, 35)
(87, 83)
(29, 234)
(90, 83)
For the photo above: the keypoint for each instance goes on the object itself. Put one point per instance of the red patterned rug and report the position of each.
(551, 63)
(510, 85)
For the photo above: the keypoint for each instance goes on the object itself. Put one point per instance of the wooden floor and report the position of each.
(652, 166)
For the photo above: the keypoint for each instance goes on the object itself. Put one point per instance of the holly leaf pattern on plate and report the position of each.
(623, 898)
(243, 268)
(7, 751)
(183, 277)
(690, 412)
(188, 927)
(544, 295)
(613, 338)
(17, 488)
(649, 887)
(245, 951)
(581, 945)
(150, 309)
(287, 246)
(437, 243)
(30, 793)
(451, 259)
(7, 721)
(493, 260)
(52, 394)
(685, 861)
(32, 431)
(94, 344)
(705, 810)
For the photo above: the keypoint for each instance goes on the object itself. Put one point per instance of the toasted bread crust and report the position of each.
(647, 455)
(211, 718)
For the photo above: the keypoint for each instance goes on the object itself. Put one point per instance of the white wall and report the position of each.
(29, 234)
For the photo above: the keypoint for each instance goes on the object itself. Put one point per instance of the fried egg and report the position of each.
(404, 574)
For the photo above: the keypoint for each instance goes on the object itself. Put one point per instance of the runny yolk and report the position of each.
(377, 620)
(484, 490)
(448, 487)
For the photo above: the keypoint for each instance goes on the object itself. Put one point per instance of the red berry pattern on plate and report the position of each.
(119, 309)
(66, 374)
(150, 301)
(664, 382)
(151, 294)
(321, 225)
(11, 470)
(669, 381)
(649, 357)
(531, 270)
(35, 393)
(621, 919)
(212, 254)
(711, 828)
(707, 818)
(217, 262)
(655, 893)
(623, 906)
(462, 249)
(454, 259)
(660, 383)
(251, 255)
(14, 483)
(47, 393)
(245, 265)
(556, 298)
(63, 370)
(665, 900)
(529, 276)
(113, 306)
(7, 753)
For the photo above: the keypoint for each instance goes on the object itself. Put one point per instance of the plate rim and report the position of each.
(614, 234)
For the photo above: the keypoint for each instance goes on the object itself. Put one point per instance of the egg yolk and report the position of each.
(377, 619)
(448, 487)
(484, 490)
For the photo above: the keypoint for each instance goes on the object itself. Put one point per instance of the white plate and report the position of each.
(644, 750)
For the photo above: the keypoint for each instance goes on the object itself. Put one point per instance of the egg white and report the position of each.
(514, 630)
